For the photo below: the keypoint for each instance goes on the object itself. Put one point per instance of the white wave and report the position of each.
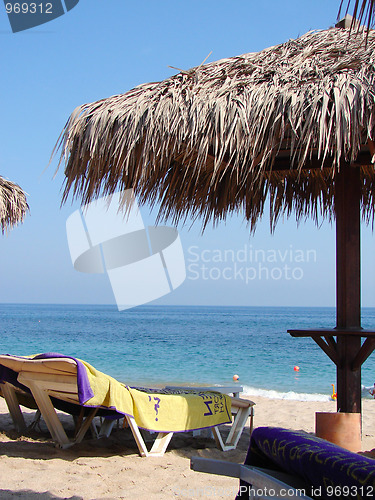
(367, 391)
(294, 396)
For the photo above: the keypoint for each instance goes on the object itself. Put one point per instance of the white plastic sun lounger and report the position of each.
(57, 378)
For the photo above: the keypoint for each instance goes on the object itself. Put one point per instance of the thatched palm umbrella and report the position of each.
(294, 123)
(13, 204)
(362, 10)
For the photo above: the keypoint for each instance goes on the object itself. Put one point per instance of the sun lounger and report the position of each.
(56, 381)
(283, 463)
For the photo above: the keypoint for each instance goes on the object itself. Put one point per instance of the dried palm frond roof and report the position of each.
(363, 10)
(222, 136)
(13, 204)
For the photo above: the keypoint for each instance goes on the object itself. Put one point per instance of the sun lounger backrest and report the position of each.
(58, 377)
(49, 365)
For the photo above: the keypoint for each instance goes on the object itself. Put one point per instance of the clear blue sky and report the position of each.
(105, 47)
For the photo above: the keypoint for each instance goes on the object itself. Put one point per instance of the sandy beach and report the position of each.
(33, 468)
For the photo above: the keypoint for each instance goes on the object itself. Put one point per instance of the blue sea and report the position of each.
(159, 345)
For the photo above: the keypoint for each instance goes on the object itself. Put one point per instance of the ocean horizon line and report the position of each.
(151, 306)
(173, 305)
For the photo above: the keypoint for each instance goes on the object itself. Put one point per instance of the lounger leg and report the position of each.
(35, 422)
(251, 420)
(106, 427)
(161, 444)
(137, 436)
(86, 425)
(78, 421)
(13, 407)
(218, 439)
(235, 431)
(158, 448)
(94, 431)
(50, 416)
(237, 427)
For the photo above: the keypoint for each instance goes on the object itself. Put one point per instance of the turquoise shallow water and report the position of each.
(156, 345)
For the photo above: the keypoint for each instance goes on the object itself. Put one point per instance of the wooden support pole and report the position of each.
(348, 286)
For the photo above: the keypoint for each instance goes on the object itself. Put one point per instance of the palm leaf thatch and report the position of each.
(223, 136)
(363, 10)
(13, 204)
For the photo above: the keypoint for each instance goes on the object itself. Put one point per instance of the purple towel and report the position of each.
(330, 471)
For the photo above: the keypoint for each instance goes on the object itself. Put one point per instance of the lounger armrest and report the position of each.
(241, 403)
(263, 480)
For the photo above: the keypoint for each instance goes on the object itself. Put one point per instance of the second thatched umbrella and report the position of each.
(13, 204)
(294, 123)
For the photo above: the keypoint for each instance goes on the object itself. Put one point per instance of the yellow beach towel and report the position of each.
(180, 412)
(159, 411)
(108, 392)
